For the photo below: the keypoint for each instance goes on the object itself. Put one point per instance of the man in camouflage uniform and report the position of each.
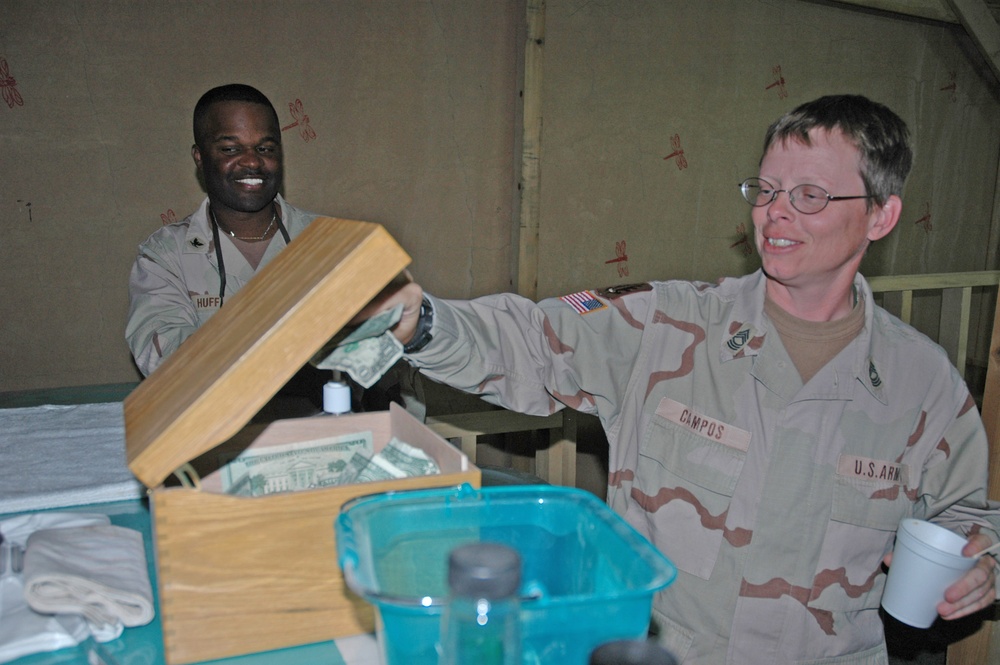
(176, 282)
(766, 433)
(185, 271)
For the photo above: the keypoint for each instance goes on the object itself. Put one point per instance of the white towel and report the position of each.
(97, 571)
(56, 456)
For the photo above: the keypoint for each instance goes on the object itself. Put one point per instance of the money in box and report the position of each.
(240, 574)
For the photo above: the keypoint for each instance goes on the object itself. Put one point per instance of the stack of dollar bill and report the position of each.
(322, 463)
(367, 352)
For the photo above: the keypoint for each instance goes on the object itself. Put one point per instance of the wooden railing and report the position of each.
(956, 290)
(955, 326)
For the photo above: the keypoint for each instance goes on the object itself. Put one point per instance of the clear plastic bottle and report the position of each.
(631, 652)
(481, 624)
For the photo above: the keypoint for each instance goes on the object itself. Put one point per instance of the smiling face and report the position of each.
(811, 260)
(238, 155)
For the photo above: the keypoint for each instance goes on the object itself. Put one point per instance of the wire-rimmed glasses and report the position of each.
(807, 199)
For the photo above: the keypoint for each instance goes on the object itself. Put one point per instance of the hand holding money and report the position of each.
(401, 291)
(368, 352)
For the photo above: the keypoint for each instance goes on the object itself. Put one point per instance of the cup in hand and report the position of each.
(926, 561)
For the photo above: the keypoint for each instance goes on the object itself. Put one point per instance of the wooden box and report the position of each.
(236, 574)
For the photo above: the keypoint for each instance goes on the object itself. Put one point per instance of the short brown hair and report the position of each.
(880, 136)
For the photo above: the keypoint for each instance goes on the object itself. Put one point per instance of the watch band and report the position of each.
(422, 335)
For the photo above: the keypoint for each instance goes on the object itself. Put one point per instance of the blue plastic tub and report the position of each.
(589, 577)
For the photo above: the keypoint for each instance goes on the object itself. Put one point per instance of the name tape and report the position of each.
(702, 425)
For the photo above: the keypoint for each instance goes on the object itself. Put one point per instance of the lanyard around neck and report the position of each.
(222, 262)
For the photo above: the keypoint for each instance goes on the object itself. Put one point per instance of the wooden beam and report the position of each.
(934, 281)
(978, 21)
(531, 152)
(936, 10)
(994, 238)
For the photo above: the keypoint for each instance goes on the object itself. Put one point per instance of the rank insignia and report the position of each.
(612, 292)
(740, 339)
(873, 375)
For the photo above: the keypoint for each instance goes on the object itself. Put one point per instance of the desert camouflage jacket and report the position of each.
(776, 500)
(174, 285)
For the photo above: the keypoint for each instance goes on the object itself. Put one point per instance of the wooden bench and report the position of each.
(556, 464)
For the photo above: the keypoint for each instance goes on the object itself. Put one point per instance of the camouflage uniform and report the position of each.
(174, 286)
(776, 501)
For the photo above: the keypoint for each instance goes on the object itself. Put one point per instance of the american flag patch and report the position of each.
(583, 302)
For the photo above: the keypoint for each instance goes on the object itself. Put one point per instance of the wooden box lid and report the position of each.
(230, 367)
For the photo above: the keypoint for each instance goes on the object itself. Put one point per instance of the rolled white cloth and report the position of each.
(22, 630)
(97, 571)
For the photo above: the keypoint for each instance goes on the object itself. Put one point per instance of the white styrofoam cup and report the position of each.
(926, 561)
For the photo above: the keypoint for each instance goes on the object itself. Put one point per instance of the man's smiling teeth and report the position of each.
(780, 242)
(251, 181)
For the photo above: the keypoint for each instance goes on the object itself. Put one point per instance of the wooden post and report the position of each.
(557, 463)
(984, 645)
(531, 152)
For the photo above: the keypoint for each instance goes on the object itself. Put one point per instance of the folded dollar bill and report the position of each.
(397, 460)
(355, 466)
(368, 352)
(373, 327)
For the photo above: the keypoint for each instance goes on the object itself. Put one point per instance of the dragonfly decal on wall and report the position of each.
(301, 121)
(746, 249)
(678, 153)
(621, 258)
(779, 82)
(8, 86)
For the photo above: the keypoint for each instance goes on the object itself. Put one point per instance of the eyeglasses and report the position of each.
(807, 199)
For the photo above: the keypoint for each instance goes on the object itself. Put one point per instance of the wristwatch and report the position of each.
(422, 334)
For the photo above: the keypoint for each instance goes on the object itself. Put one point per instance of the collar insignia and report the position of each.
(873, 375)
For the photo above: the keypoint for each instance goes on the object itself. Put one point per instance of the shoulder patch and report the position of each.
(583, 302)
(612, 292)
